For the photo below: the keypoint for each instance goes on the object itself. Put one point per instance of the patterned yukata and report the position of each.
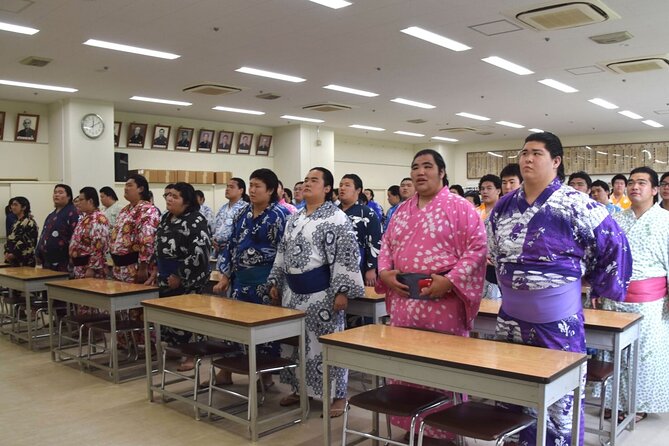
(368, 232)
(53, 245)
(548, 245)
(224, 221)
(445, 237)
(376, 207)
(91, 238)
(208, 214)
(183, 245)
(324, 238)
(623, 202)
(21, 242)
(291, 209)
(648, 237)
(389, 215)
(112, 213)
(248, 257)
(134, 231)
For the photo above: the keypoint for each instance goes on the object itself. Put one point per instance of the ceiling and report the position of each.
(359, 46)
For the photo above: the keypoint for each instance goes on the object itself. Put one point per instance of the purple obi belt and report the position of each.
(542, 306)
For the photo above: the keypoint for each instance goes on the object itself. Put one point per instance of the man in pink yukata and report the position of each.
(433, 259)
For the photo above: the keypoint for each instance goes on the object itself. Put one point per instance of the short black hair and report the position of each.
(108, 191)
(140, 181)
(91, 194)
(602, 184)
(169, 186)
(490, 178)
(511, 170)
(199, 194)
(187, 192)
(394, 190)
(371, 192)
(23, 202)
(357, 181)
(655, 182)
(438, 160)
(68, 190)
(664, 175)
(475, 195)
(554, 147)
(582, 175)
(299, 182)
(459, 190)
(289, 193)
(270, 179)
(617, 177)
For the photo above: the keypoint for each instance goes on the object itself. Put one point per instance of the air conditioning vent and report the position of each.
(34, 61)
(416, 121)
(268, 96)
(565, 15)
(327, 107)
(459, 130)
(607, 39)
(640, 65)
(212, 89)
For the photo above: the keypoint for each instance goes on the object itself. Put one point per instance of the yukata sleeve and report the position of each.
(278, 274)
(609, 261)
(100, 243)
(224, 262)
(373, 242)
(146, 238)
(345, 277)
(194, 269)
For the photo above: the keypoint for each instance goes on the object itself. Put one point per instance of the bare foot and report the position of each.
(223, 378)
(337, 407)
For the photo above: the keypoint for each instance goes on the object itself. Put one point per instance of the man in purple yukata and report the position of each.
(543, 238)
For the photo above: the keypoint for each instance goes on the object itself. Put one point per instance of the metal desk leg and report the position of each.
(302, 370)
(541, 423)
(576, 408)
(147, 353)
(632, 374)
(253, 391)
(615, 389)
(114, 346)
(28, 320)
(51, 324)
(326, 398)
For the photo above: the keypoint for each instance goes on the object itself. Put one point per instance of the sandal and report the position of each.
(290, 400)
(336, 412)
(186, 366)
(640, 416)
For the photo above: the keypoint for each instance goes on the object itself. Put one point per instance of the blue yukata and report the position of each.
(376, 207)
(541, 251)
(54, 243)
(368, 232)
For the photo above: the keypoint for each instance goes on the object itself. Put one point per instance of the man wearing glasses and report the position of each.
(664, 192)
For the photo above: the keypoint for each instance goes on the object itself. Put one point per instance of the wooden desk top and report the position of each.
(515, 361)
(371, 295)
(4, 265)
(104, 287)
(224, 309)
(595, 319)
(30, 273)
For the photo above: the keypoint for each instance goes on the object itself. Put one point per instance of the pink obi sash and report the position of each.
(646, 290)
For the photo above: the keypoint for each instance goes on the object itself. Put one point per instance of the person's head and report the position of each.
(288, 195)
(161, 132)
(107, 196)
(20, 206)
(618, 184)
(428, 172)
(664, 186)
(599, 191)
(394, 195)
(167, 190)
(473, 197)
(88, 199)
(184, 134)
(26, 123)
(298, 190)
(580, 181)
(245, 139)
(457, 189)
(350, 188)
(136, 188)
(369, 194)
(138, 131)
(151, 199)
(205, 136)
(490, 188)
(642, 187)
(62, 195)
(407, 188)
(235, 189)
(199, 195)
(511, 178)
(181, 199)
(335, 194)
(318, 185)
(263, 187)
(540, 159)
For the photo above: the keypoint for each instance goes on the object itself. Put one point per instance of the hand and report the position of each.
(151, 280)
(173, 281)
(89, 272)
(340, 302)
(222, 284)
(275, 295)
(142, 273)
(370, 277)
(389, 278)
(9, 257)
(596, 302)
(489, 261)
(441, 285)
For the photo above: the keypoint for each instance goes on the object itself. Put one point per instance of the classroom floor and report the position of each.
(47, 403)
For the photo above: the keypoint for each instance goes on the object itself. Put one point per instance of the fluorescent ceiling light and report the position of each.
(366, 127)
(558, 85)
(38, 86)
(510, 124)
(238, 110)
(431, 37)
(506, 65)
(334, 4)
(473, 116)
(400, 132)
(18, 29)
(412, 103)
(299, 118)
(368, 94)
(161, 101)
(630, 114)
(535, 130)
(130, 49)
(588, 147)
(270, 74)
(602, 103)
(652, 123)
(496, 154)
(442, 138)
(602, 153)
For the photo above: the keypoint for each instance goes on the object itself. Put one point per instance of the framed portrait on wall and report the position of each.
(264, 143)
(26, 127)
(136, 134)
(224, 141)
(2, 125)
(205, 140)
(244, 145)
(117, 132)
(161, 136)
(184, 138)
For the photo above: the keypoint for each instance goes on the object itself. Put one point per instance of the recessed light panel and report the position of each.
(238, 110)
(18, 29)
(558, 85)
(401, 132)
(535, 130)
(603, 103)
(161, 101)
(652, 123)
(367, 127)
(334, 4)
(508, 66)
(349, 90)
(38, 86)
(431, 37)
(510, 124)
(300, 118)
(412, 103)
(473, 116)
(270, 74)
(130, 49)
(630, 114)
(442, 138)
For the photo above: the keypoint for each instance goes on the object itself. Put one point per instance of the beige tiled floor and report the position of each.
(46, 403)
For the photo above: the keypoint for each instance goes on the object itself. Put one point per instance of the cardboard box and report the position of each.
(222, 177)
(157, 176)
(186, 176)
(204, 177)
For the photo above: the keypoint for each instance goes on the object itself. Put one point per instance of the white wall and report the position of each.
(24, 159)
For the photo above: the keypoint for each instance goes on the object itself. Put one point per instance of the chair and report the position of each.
(126, 328)
(198, 351)
(477, 420)
(599, 372)
(79, 321)
(393, 399)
